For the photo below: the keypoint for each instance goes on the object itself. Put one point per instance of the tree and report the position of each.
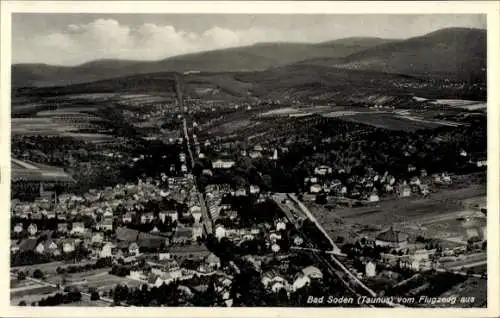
(21, 275)
(38, 274)
(94, 296)
(22, 303)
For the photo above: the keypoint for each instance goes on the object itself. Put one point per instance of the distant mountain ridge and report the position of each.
(259, 56)
(452, 53)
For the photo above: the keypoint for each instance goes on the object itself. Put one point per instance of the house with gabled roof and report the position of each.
(32, 229)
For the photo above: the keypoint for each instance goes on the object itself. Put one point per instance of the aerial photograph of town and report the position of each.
(239, 160)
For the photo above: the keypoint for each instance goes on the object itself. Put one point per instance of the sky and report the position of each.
(72, 39)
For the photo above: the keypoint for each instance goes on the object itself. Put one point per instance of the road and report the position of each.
(320, 255)
(207, 220)
(311, 217)
(335, 247)
(332, 262)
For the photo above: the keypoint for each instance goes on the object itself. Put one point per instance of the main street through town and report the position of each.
(207, 220)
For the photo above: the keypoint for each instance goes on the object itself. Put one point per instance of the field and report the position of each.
(405, 119)
(99, 279)
(460, 103)
(393, 122)
(433, 217)
(29, 291)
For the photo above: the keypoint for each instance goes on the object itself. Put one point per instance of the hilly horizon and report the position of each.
(454, 53)
(259, 56)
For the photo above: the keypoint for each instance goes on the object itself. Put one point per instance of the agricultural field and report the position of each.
(438, 216)
(98, 279)
(231, 127)
(29, 291)
(463, 104)
(392, 122)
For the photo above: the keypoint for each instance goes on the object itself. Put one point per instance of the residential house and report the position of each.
(97, 238)
(315, 188)
(106, 224)
(298, 240)
(446, 178)
(68, 246)
(107, 250)
(40, 248)
(206, 172)
(275, 248)
(127, 218)
(51, 248)
(14, 246)
(312, 272)
(154, 230)
(322, 170)
(409, 262)
(271, 278)
(174, 215)
(254, 189)
(370, 269)
(405, 191)
(423, 173)
(108, 213)
(147, 217)
(62, 228)
(133, 249)
(197, 232)
(280, 225)
(273, 237)
(212, 262)
(18, 228)
(32, 229)
(164, 256)
(373, 197)
(220, 231)
(196, 215)
(222, 164)
(392, 238)
(241, 192)
(300, 282)
(78, 228)
(255, 154)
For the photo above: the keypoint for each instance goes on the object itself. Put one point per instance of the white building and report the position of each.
(223, 164)
(315, 188)
(373, 197)
(322, 170)
(370, 269)
(254, 189)
(220, 232)
(32, 229)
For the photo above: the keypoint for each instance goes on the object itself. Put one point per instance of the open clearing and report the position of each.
(392, 122)
(461, 103)
(436, 216)
(98, 279)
